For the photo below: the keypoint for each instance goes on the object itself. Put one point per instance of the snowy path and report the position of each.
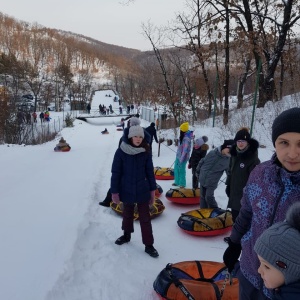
(57, 243)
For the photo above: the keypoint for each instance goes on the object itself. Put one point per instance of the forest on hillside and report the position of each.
(210, 52)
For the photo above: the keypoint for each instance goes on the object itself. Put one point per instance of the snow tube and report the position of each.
(196, 280)
(62, 149)
(183, 195)
(155, 210)
(163, 173)
(158, 190)
(206, 221)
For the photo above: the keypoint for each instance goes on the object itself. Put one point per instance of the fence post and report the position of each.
(158, 149)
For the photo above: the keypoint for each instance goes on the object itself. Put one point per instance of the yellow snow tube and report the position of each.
(155, 210)
(184, 195)
(163, 173)
(206, 221)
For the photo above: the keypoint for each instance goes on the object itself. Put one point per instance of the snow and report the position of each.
(57, 243)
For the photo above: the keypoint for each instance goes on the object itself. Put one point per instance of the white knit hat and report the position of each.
(136, 130)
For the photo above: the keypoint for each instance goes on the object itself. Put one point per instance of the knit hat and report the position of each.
(243, 134)
(135, 130)
(152, 124)
(184, 127)
(279, 245)
(287, 121)
(135, 121)
(227, 144)
(200, 141)
(62, 140)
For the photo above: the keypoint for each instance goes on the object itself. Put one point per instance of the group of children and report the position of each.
(264, 246)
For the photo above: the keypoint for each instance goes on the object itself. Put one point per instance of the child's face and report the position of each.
(241, 144)
(287, 147)
(137, 140)
(271, 276)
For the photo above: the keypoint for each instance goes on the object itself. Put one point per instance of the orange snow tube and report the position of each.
(196, 280)
(155, 210)
(62, 149)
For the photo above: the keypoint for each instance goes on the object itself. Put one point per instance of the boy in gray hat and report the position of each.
(278, 250)
(210, 170)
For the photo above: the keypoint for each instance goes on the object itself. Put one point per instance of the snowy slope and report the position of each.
(58, 243)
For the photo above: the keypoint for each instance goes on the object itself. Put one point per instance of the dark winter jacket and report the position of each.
(287, 292)
(132, 176)
(211, 168)
(197, 155)
(268, 194)
(152, 132)
(240, 166)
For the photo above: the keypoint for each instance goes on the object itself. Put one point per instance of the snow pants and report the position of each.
(180, 173)
(207, 198)
(144, 218)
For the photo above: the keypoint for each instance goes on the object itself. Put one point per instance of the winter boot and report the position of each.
(107, 200)
(151, 251)
(125, 238)
(227, 239)
(105, 203)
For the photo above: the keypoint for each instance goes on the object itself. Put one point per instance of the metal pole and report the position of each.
(255, 95)
(215, 96)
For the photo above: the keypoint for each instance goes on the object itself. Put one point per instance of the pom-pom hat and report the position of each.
(242, 135)
(287, 121)
(184, 127)
(135, 121)
(200, 141)
(136, 130)
(279, 245)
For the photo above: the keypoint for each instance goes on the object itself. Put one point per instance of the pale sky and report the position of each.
(109, 21)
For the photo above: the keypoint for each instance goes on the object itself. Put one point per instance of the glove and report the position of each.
(189, 166)
(231, 255)
(152, 197)
(227, 190)
(115, 198)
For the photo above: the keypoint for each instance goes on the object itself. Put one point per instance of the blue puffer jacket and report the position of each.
(267, 196)
(132, 176)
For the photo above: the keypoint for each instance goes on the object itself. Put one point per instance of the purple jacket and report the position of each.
(184, 149)
(267, 195)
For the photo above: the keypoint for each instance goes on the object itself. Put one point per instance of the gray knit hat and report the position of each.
(279, 245)
(287, 121)
(136, 130)
(200, 141)
(135, 121)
